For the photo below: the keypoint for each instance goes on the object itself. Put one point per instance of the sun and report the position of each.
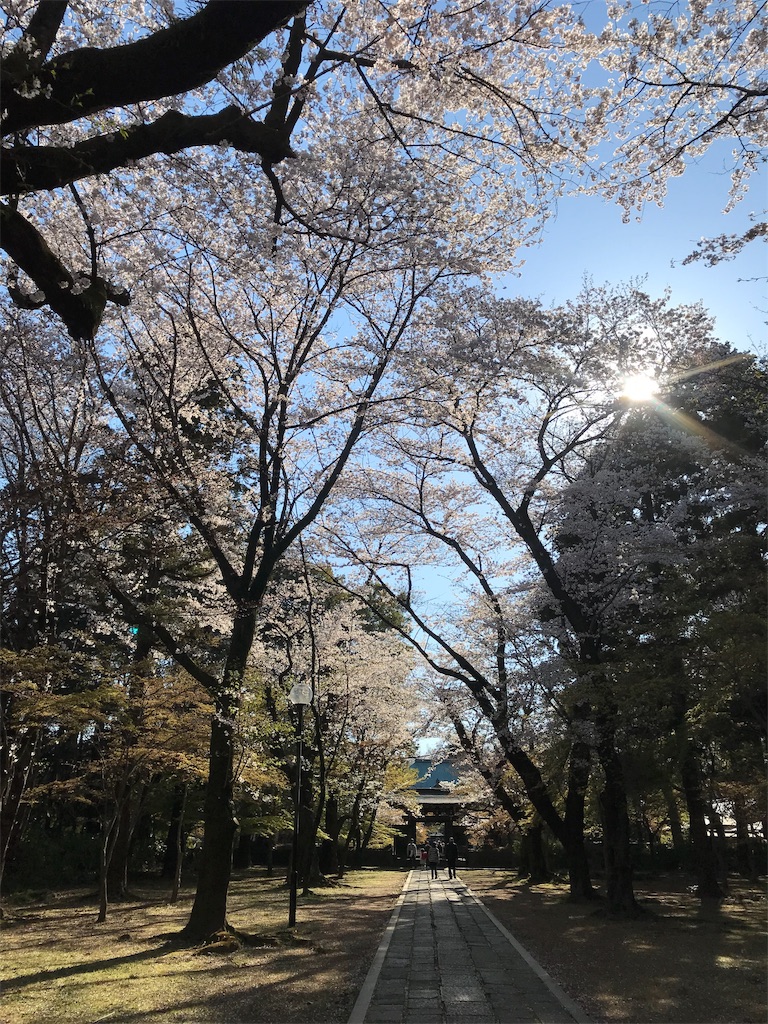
(639, 387)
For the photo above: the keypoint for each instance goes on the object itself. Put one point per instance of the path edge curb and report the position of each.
(568, 1004)
(363, 1000)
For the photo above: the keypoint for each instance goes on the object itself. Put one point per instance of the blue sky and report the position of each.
(588, 238)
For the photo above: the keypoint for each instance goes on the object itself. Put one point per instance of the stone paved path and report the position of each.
(445, 959)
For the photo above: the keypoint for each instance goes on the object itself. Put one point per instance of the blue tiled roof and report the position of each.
(432, 775)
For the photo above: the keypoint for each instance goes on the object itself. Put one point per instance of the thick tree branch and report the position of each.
(28, 168)
(37, 39)
(169, 62)
(80, 305)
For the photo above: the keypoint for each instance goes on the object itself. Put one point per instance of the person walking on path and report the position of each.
(451, 856)
(433, 859)
(413, 853)
(423, 856)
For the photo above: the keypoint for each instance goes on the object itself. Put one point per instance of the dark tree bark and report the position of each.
(175, 827)
(568, 830)
(209, 910)
(702, 848)
(533, 861)
(16, 768)
(675, 824)
(110, 824)
(83, 82)
(169, 62)
(616, 833)
(173, 862)
(746, 861)
(579, 767)
(579, 618)
(117, 872)
(42, 168)
(81, 313)
(333, 823)
(242, 854)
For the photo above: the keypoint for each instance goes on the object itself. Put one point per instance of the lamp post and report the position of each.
(300, 696)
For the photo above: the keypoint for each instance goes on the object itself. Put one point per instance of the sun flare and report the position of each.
(639, 387)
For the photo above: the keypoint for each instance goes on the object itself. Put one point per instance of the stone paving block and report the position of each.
(386, 989)
(428, 1004)
(447, 963)
(470, 994)
(384, 1014)
(471, 1008)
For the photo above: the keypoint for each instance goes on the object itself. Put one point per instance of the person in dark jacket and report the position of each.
(433, 859)
(451, 856)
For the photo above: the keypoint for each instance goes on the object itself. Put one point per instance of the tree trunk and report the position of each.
(617, 849)
(569, 831)
(17, 762)
(353, 833)
(719, 845)
(242, 855)
(369, 827)
(332, 863)
(746, 862)
(309, 865)
(579, 766)
(675, 824)
(117, 872)
(179, 848)
(702, 848)
(175, 832)
(106, 849)
(533, 863)
(209, 910)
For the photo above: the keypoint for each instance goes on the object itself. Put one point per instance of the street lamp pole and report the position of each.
(300, 696)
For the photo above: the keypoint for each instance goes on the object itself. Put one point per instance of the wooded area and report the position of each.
(258, 394)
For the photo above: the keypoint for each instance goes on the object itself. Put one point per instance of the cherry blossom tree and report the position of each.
(684, 82)
(240, 238)
(243, 400)
(362, 709)
(511, 401)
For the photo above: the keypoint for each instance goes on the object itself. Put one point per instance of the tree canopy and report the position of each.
(248, 250)
(98, 110)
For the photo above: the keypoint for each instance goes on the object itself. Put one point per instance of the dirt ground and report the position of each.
(58, 966)
(680, 964)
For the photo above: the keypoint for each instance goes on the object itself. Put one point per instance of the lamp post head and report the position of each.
(301, 693)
